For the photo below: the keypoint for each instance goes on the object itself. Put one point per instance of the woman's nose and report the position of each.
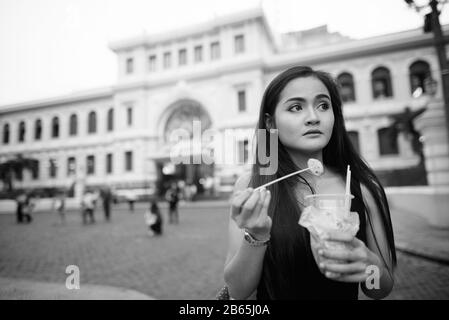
(312, 117)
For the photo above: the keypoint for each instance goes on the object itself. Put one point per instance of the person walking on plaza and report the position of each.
(172, 196)
(28, 208)
(153, 219)
(20, 200)
(106, 196)
(59, 205)
(131, 198)
(270, 256)
(88, 207)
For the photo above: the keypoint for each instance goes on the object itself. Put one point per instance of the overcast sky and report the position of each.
(53, 47)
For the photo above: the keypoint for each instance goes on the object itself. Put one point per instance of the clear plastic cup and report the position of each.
(335, 207)
(334, 203)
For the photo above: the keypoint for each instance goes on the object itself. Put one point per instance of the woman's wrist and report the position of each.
(258, 235)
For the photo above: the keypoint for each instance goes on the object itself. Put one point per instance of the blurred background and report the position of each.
(92, 93)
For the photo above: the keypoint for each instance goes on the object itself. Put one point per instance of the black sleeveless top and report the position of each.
(309, 282)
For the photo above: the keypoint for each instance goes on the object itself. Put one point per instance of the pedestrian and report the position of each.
(106, 196)
(269, 253)
(28, 208)
(172, 196)
(131, 198)
(20, 200)
(88, 208)
(153, 220)
(60, 206)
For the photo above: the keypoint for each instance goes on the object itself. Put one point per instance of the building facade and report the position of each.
(215, 74)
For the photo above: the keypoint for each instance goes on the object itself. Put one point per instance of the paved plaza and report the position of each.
(185, 263)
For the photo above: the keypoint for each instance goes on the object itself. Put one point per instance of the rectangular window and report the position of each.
(129, 116)
(71, 166)
(152, 63)
(182, 57)
(239, 44)
(109, 163)
(388, 142)
(354, 137)
(128, 161)
(129, 65)
(35, 171)
(90, 165)
(167, 60)
(241, 100)
(198, 54)
(215, 50)
(52, 167)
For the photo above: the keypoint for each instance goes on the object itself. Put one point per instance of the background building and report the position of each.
(216, 73)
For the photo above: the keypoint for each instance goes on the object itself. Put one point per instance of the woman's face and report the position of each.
(304, 105)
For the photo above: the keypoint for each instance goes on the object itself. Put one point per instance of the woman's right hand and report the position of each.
(249, 210)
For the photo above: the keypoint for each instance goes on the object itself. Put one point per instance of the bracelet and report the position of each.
(252, 241)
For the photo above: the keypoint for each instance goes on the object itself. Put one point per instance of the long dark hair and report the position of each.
(284, 253)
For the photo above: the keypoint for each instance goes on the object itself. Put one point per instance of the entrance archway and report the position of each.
(183, 114)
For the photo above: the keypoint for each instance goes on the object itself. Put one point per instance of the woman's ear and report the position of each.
(269, 121)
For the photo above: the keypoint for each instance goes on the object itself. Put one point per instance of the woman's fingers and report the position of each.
(343, 268)
(249, 205)
(339, 236)
(260, 201)
(238, 199)
(357, 277)
(265, 204)
(340, 254)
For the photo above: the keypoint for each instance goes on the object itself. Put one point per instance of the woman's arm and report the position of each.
(369, 264)
(243, 266)
(381, 249)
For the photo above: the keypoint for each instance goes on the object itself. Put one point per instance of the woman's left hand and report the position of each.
(355, 259)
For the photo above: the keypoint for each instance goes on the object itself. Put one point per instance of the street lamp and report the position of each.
(432, 24)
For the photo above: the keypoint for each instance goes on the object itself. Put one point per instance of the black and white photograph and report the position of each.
(212, 150)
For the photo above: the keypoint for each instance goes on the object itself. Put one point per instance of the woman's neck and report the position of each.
(300, 159)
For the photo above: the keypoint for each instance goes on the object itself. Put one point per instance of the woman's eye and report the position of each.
(296, 107)
(324, 106)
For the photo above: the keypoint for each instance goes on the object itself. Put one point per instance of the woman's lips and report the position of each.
(312, 133)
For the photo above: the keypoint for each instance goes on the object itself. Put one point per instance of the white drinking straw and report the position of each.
(348, 187)
(314, 166)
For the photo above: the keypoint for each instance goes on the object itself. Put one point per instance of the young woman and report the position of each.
(270, 256)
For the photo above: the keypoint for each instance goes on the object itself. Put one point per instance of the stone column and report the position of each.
(432, 126)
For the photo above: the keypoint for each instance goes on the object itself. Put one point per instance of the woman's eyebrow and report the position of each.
(321, 96)
(295, 99)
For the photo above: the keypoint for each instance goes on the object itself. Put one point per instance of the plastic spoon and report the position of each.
(314, 165)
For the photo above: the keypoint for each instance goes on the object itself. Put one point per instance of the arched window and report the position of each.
(388, 141)
(55, 127)
(38, 129)
(73, 125)
(6, 133)
(419, 71)
(22, 131)
(347, 91)
(92, 122)
(381, 83)
(354, 137)
(110, 120)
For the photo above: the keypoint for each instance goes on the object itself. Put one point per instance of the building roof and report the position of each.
(98, 93)
(191, 31)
